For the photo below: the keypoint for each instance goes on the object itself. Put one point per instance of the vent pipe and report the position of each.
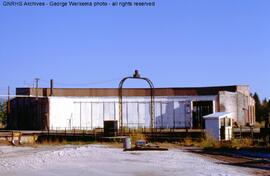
(51, 87)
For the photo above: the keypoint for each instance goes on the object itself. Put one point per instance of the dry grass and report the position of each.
(53, 142)
(2, 126)
(242, 143)
(209, 142)
(134, 136)
(188, 142)
(168, 145)
(113, 144)
(63, 142)
(5, 142)
(259, 124)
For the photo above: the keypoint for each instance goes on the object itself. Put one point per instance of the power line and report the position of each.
(88, 83)
(31, 96)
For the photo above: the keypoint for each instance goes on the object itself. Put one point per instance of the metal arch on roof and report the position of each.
(136, 75)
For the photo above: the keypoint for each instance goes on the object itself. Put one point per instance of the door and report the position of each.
(200, 109)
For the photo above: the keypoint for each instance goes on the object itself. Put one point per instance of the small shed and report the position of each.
(219, 125)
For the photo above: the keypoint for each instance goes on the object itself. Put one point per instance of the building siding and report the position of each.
(88, 108)
(90, 112)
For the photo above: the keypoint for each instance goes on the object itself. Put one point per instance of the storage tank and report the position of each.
(127, 143)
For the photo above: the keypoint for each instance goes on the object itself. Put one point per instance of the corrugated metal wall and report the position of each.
(89, 113)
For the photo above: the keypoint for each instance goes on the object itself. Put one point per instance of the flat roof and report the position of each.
(217, 115)
(169, 91)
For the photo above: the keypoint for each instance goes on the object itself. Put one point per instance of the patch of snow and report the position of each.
(101, 160)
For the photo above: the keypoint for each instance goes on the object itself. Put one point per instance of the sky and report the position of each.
(177, 43)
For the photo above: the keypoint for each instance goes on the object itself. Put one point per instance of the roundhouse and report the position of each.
(88, 108)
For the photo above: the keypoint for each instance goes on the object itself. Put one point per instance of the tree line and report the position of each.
(3, 113)
(262, 108)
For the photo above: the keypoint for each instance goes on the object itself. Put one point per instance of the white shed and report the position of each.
(219, 125)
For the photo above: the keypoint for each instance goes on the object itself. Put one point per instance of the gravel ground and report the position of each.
(259, 162)
(100, 160)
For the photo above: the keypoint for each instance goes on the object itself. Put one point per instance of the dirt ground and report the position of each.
(260, 165)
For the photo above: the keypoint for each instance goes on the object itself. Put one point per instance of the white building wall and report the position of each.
(212, 127)
(239, 105)
(228, 103)
(90, 112)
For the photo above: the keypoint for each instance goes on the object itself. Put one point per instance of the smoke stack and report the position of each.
(51, 86)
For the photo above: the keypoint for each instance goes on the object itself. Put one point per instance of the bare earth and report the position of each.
(259, 165)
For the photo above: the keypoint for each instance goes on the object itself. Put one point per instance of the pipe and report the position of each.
(51, 87)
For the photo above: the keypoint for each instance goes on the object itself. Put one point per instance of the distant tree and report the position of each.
(258, 107)
(3, 113)
(267, 108)
(265, 101)
(264, 109)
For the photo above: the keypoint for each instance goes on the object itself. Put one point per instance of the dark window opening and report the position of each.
(200, 109)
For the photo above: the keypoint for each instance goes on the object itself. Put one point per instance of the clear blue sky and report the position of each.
(177, 43)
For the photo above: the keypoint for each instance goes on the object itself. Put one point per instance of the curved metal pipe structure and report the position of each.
(152, 102)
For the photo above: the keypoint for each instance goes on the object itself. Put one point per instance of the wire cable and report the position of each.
(88, 83)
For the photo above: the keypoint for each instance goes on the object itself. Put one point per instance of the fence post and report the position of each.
(252, 135)
(241, 132)
(95, 134)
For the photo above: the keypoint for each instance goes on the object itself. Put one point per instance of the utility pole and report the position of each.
(8, 102)
(36, 79)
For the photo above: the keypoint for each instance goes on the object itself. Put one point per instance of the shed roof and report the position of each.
(217, 115)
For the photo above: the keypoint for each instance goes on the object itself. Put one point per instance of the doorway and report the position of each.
(200, 109)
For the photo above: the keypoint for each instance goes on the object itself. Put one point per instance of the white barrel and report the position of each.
(127, 143)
